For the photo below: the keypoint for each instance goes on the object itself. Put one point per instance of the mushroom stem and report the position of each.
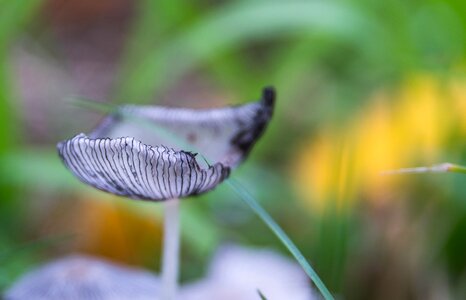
(171, 249)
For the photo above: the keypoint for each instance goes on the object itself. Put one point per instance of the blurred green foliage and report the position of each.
(13, 15)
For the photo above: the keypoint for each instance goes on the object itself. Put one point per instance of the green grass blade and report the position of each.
(261, 295)
(92, 105)
(439, 168)
(282, 236)
(456, 169)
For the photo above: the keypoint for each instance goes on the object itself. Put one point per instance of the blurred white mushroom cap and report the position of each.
(80, 277)
(239, 273)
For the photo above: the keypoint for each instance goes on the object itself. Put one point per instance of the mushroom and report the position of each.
(82, 277)
(127, 155)
(241, 273)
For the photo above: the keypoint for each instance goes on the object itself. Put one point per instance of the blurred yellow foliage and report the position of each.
(402, 128)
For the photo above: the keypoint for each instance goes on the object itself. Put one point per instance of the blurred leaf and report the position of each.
(232, 26)
(16, 259)
(35, 167)
(438, 34)
(455, 247)
(8, 128)
(155, 19)
(35, 245)
(12, 15)
(331, 245)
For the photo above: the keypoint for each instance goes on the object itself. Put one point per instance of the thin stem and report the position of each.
(171, 249)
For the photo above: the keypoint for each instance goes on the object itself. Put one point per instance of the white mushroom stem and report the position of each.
(171, 249)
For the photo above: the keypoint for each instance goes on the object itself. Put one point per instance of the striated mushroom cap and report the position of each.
(127, 167)
(126, 154)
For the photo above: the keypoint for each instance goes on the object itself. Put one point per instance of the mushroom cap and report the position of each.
(239, 273)
(124, 154)
(225, 134)
(127, 167)
(81, 277)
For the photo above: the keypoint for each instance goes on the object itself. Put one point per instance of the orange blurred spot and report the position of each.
(108, 228)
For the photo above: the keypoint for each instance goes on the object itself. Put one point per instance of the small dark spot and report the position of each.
(192, 137)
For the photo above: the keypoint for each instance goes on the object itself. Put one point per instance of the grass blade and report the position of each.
(439, 168)
(92, 105)
(282, 236)
(261, 295)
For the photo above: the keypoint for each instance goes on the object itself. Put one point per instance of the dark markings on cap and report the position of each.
(127, 167)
